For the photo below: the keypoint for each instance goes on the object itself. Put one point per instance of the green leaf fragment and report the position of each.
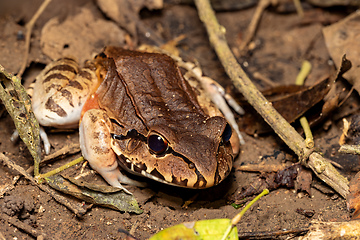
(18, 105)
(106, 196)
(203, 229)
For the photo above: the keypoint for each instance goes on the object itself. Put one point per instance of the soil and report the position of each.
(283, 40)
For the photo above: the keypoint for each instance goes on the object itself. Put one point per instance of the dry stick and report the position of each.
(351, 149)
(75, 208)
(69, 149)
(29, 27)
(10, 186)
(60, 169)
(250, 31)
(20, 225)
(66, 150)
(321, 167)
(300, 80)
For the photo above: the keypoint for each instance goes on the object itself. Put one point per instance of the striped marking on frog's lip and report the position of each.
(129, 166)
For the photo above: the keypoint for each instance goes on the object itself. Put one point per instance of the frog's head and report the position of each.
(197, 156)
(160, 130)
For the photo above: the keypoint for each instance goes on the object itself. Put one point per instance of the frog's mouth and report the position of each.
(198, 181)
(140, 170)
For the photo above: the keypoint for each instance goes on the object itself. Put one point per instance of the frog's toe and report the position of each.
(114, 178)
(15, 136)
(43, 136)
(45, 140)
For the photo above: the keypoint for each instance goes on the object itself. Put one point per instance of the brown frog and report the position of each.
(137, 111)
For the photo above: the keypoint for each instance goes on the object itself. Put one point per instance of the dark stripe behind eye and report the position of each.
(62, 67)
(55, 76)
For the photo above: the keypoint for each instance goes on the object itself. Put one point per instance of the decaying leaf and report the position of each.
(18, 104)
(126, 13)
(343, 38)
(207, 229)
(106, 196)
(326, 95)
(303, 181)
(288, 177)
(353, 199)
(290, 101)
(81, 36)
(204, 229)
(333, 230)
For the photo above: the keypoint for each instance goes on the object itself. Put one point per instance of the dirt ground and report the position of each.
(283, 40)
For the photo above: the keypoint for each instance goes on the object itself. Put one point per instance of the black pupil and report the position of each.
(157, 144)
(227, 133)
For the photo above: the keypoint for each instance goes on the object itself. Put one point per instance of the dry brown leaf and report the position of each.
(343, 38)
(353, 199)
(81, 36)
(284, 98)
(125, 13)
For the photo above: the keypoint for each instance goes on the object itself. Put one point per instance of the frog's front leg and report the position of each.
(96, 147)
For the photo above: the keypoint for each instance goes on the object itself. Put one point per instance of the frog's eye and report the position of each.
(227, 133)
(157, 143)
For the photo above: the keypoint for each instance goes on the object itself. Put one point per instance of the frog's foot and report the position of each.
(43, 136)
(96, 147)
(221, 99)
(114, 177)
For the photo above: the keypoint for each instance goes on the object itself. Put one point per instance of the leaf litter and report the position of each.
(195, 210)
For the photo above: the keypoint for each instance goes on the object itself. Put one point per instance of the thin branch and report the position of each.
(20, 225)
(281, 127)
(60, 169)
(29, 26)
(351, 149)
(250, 31)
(300, 80)
(75, 208)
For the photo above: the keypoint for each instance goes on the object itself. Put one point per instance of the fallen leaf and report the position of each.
(107, 196)
(203, 229)
(126, 13)
(333, 230)
(81, 36)
(18, 105)
(287, 177)
(291, 101)
(343, 38)
(304, 180)
(353, 198)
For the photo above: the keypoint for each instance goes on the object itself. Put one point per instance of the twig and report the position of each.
(59, 169)
(75, 208)
(265, 79)
(9, 186)
(262, 167)
(299, 8)
(250, 31)
(238, 216)
(304, 72)
(309, 139)
(300, 80)
(66, 150)
(281, 127)
(351, 149)
(29, 26)
(20, 225)
(2, 236)
(272, 235)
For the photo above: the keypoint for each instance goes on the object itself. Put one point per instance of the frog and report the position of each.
(135, 112)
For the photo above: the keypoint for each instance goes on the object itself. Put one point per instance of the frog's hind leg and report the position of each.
(96, 147)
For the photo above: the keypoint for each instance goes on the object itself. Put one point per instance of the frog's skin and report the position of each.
(137, 111)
